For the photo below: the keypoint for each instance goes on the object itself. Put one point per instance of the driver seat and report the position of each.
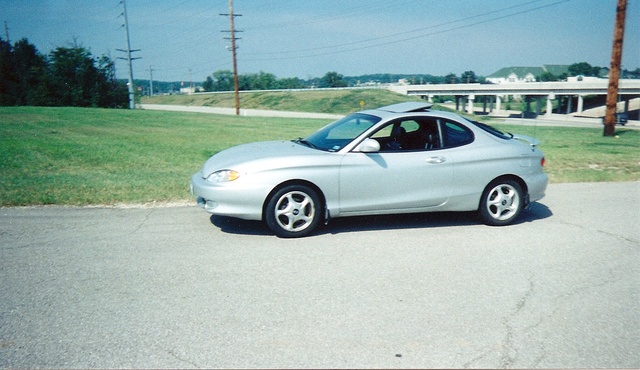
(397, 138)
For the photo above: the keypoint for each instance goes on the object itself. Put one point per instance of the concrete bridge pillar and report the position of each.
(626, 107)
(430, 98)
(550, 99)
(470, 103)
(498, 102)
(580, 104)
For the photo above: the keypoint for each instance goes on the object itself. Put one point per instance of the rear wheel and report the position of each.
(293, 211)
(501, 203)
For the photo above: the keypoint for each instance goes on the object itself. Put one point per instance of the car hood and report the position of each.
(252, 156)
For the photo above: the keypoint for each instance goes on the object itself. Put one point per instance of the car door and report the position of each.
(408, 179)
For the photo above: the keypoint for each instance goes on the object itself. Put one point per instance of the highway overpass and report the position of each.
(550, 91)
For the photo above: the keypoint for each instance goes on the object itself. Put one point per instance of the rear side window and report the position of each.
(456, 134)
(493, 131)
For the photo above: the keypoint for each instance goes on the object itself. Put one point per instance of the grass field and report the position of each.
(100, 156)
(80, 156)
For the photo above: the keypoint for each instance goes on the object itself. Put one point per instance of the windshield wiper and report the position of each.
(305, 142)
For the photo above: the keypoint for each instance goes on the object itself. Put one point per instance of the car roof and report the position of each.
(406, 107)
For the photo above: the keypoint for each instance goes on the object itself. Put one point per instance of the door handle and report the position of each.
(436, 160)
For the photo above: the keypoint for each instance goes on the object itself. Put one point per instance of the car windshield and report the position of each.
(493, 131)
(336, 135)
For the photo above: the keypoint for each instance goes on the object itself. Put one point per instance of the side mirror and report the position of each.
(368, 146)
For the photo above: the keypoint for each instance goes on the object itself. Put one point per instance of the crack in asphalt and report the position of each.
(603, 232)
(509, 353)
(586, 287)
(147, 216)
(174, 355)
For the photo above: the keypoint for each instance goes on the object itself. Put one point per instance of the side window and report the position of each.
(456, 134)
(399, 135)
(383, 133)
(410, 126)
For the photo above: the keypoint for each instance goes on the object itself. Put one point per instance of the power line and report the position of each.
(406, 32)
(312, 50)
(340, 14)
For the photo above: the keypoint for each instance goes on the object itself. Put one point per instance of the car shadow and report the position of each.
(399, 222)
(535, 211)
(232, 225)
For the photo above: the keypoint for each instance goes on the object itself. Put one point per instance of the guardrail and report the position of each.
(626, 87)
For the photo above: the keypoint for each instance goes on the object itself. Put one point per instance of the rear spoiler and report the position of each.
(528, 139)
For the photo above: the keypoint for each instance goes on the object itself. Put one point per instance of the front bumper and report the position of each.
(234, 199)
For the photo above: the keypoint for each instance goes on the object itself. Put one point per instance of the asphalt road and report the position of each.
(170, 287)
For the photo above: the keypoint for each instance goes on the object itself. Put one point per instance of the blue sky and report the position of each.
(183, 40)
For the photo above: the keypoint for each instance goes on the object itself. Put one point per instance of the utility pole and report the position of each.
(150, 80)
(614, 71)
(132, 100)
(233, 51)
(6, 32)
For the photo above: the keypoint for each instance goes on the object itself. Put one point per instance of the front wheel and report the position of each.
(293, 211)
(501, 203)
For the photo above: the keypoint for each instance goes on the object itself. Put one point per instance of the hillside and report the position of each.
(316, 101)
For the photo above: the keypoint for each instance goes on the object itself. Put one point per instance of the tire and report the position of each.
(501, 203)
(293, 211)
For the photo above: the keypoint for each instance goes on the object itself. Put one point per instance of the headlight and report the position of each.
(223, 176)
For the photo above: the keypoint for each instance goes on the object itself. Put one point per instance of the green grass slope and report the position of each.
(315, 101)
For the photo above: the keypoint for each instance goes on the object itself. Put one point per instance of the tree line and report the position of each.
(67, 76)
(223, 80)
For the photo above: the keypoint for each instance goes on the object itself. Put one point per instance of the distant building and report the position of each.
(191, 90)
(525, 74)
(581, 78)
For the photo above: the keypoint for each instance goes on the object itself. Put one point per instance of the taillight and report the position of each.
(543, 161)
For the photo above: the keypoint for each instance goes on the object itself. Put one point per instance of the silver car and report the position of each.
(402, 158)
